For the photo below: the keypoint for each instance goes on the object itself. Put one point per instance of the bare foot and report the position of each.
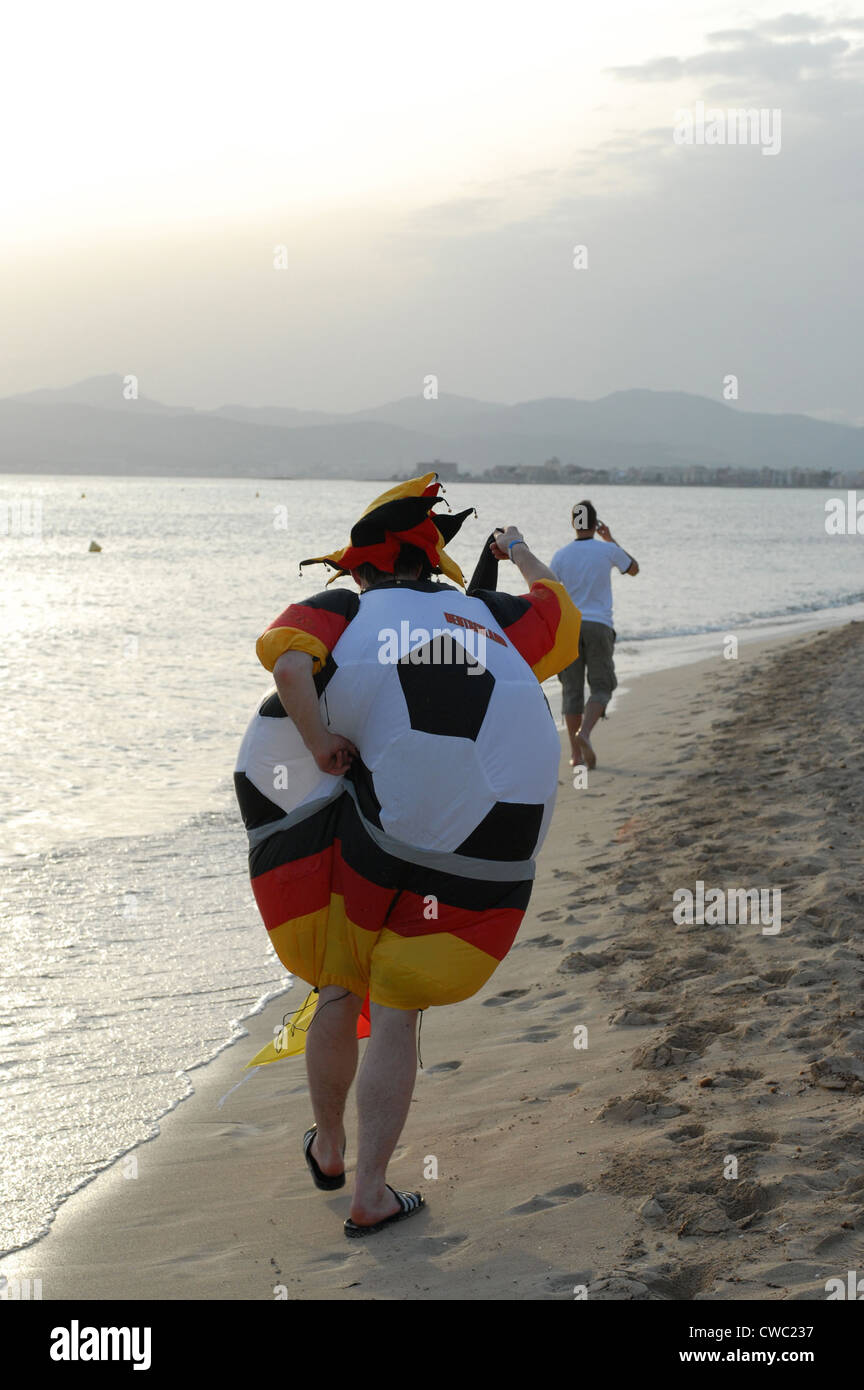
(332, 1164)
(378, 1209)
(589, 757)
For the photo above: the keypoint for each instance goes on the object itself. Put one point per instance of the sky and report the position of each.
(321, 206)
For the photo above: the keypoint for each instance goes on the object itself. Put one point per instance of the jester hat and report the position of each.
(402, 516)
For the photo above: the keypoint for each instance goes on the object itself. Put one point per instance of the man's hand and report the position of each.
(605, 534)
(296, 688)
(333, 753)
(530, 568)
(503, 539)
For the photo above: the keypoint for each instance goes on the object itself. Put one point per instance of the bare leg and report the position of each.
(593, 711)
(573, 721)
(384, 1089)
(331, 1061)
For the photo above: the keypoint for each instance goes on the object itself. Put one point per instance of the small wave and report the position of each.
(789, 613)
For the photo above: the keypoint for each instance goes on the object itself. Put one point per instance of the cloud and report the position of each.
(781, 50)
(701, 260)
(785, 24)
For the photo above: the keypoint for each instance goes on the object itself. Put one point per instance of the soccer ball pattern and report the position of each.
(460, 745)
(459, 750)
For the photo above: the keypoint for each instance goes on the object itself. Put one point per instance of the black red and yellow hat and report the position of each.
(402, 516)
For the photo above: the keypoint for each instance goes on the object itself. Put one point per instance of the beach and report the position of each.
(633, 1108)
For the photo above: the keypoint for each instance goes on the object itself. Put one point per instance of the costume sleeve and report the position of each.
(485, 574)
(314, 625)
(543, 624)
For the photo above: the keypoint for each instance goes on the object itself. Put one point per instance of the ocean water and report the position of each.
(131, 949)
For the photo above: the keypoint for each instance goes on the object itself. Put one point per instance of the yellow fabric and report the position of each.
(326, 948)
(277, 640)
(449, 567)
(291, 1039)
(566, 648)
(404, 972)
(412, 487)
(438, 968)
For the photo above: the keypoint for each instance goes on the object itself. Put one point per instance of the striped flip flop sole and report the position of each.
(409, 1202)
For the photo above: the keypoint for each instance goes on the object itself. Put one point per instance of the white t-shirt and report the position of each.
(585, 570)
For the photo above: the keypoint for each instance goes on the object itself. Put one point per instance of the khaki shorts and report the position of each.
(595, 659)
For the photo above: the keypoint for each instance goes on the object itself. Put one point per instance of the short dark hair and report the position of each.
(409, 557)
(590, 515)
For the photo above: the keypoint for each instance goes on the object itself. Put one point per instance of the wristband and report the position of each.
(511, 545)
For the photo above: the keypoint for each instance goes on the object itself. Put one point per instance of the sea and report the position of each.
(131, 950)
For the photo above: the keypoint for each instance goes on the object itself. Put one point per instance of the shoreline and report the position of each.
(138, 1229)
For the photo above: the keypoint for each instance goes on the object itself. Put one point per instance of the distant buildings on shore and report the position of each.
(688, 475)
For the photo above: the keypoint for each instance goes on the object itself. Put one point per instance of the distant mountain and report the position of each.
(80, 439)
(104, 392)
(285, 416)
(90, 428)
(444, 415)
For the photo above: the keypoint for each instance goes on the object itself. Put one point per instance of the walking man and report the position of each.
(396, 787)
(584, 567)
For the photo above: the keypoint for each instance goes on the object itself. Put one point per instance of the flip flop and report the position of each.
(409, 1202)
(325, 1181)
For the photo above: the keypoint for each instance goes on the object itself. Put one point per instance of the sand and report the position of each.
(711, 1050)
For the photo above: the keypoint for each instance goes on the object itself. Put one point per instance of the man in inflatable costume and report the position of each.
(396, 788)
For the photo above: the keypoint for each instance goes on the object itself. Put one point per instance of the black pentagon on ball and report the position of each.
(446, 690)
(272, 708)
(255, 808)
(509, 831)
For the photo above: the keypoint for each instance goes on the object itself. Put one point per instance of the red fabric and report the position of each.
(533, 635)
(366, 903)
(364, 1027)
(294, 889)
(304, 886)
(318, 622)
(383, 556)
(492, 930)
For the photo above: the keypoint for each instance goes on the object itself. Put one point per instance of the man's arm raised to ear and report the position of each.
(606, 535)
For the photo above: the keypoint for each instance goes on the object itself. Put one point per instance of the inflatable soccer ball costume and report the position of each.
(408, 877)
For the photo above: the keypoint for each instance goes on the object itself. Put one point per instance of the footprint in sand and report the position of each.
(505, 996)
(685, 1132)
(552, 915)
(441, 1066)
(761, 1137)
(545, 940)
(543, 1201)
(537, 1034)
(564, 1284)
